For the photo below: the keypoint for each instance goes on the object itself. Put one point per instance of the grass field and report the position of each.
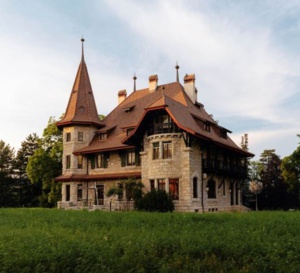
(44, 240)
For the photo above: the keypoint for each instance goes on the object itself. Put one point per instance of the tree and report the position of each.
(273, 195)
(7, 181)
(255, 187)
(291, 172)
(27, 191)
(46, 164)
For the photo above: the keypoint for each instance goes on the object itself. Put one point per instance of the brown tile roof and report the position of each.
(81, 108)
(175, 101)
(104, 176)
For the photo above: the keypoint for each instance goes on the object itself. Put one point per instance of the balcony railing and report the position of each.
(224, 167)
(163, 128)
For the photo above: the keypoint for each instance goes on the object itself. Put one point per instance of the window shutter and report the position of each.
(93, 161)
(123, 159)
(137, 158)
(105, 159)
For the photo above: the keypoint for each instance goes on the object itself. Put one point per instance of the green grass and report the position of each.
(41, 240)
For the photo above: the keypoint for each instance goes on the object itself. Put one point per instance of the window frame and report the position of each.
(68, 137)
(79, 162)
(80, 136)
(68, 162)
(174, 188)
(167, 153)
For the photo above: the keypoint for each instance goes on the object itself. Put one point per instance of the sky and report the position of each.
(245, 56)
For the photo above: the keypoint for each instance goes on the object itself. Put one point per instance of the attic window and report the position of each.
(128, 131)
(103, 136)
(207, 127)
(223, 134)
(81, 109)
(128, 109)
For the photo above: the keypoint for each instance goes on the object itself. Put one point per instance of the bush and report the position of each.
(155, 200)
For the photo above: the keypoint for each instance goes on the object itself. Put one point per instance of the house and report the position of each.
(160, 135)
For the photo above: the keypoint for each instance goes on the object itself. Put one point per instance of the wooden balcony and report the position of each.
(224, 168)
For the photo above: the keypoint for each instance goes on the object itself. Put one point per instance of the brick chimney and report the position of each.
(189, 87)
(153, 83)
(122, 96)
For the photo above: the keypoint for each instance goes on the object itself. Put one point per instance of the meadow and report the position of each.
(51, 240)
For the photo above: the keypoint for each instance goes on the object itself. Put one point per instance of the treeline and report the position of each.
(280, 179)
(27, 176)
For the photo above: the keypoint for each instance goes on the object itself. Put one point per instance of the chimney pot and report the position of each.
(153, 79)
(189, 87)
(122, 94)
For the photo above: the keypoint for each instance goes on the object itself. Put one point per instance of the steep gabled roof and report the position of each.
(172, 98)
(81, 109)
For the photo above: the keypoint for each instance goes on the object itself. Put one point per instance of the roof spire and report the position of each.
(134, 83)
(177, 73)
(82, 49)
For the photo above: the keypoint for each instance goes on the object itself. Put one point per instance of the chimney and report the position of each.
(189, 87)
(122, 96)
(153, 83)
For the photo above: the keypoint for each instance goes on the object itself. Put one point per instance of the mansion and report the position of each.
(160, 135)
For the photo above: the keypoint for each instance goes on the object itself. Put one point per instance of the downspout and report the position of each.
(87, 182)
(201, 173)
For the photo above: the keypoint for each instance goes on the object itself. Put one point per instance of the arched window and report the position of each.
(211, 188)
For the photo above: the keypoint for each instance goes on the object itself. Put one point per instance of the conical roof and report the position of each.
(81, 109)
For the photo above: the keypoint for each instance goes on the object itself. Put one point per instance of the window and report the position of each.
(224, 134)
(103, 136)
(174, 188)
(162, 124)
(211, 189)
(67, 192)
(224, 188)
(130, 158)
(167, 149)
(68, 162)
(79, 162)
(79, 192)
(80, 136)
(152, 184)
(206, 127)
(161, 184)
(68, 137)
(99, 195)
(128, 131)
(101, 160)
(156, 150)
(195, 187)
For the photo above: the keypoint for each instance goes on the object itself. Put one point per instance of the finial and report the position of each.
(82, 49)
(134, 83)
(177, 73)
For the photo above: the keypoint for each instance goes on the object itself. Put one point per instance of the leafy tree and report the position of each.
(27, 191)
(291, 172)
(46, 164)
(7, 181)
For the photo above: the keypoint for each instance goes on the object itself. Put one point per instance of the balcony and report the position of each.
(224, 168)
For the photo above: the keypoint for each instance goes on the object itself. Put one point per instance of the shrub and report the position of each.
(155, 200)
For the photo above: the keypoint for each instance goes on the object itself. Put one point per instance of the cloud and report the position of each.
(242, 68)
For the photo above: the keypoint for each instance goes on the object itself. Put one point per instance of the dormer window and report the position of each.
(128, 131)
(207, 127)
(103, 136)
(224, 134)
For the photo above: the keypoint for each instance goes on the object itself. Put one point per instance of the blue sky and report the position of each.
(245, 55)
